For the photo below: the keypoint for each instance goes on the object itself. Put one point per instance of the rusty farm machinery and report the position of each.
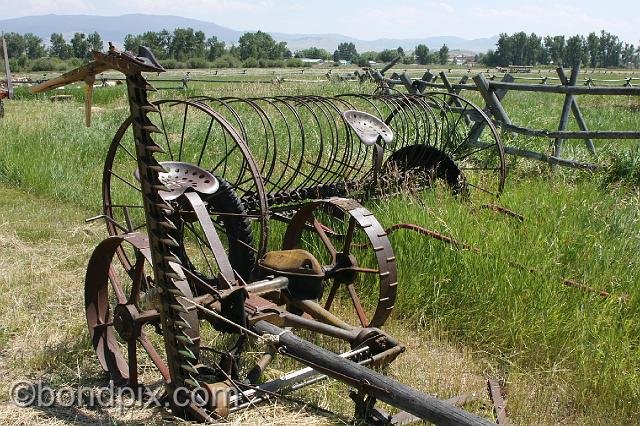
(192, 281)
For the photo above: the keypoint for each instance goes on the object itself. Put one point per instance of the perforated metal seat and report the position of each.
(183, 176)
(369, 128)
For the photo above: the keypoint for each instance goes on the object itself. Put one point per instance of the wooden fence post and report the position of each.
(576, 111)
(490, 97)
(450, 89)
(566, 108)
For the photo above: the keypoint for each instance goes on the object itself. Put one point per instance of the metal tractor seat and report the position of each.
(181, 176)
(369, 128)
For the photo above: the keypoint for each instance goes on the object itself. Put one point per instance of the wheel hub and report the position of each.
(124, 321)
(342, 272)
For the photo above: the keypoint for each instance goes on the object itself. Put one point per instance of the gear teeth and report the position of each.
(160, 187)
(176, 292)
(143, 84)
(157, 168)
(149, 108)
(179, 308)
(186, 353)
(182, 324)
(190, 368)
(186, 340)
(173, 276)
(171, 258)
(151, 129)
(192, 383)
(166, 240)
(167, 224)
(154, 148)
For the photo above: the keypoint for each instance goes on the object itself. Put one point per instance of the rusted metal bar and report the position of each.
(372, 383)
(499, 405)
(464, 246)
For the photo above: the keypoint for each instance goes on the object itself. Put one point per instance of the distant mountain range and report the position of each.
(115, 28)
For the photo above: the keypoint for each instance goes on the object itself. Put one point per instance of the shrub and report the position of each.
(197, 63)
(624, 168)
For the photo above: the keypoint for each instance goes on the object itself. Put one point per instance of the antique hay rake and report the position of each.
(200, 287)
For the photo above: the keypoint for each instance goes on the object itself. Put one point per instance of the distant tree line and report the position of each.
(186, 48)
(421, 55)
(603, 51)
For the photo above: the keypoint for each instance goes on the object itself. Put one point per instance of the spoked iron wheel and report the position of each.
(192, 133)
(464, 152)
(360, 268)
(123, 314)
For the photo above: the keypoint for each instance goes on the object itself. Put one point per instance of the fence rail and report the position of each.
(493, 92)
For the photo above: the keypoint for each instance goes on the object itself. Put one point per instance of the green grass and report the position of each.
(567, 354)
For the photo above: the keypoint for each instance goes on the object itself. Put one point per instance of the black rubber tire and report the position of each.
(430, 160)
(237, 228)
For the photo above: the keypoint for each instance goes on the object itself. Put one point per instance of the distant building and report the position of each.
(312, 61)
(462, 60)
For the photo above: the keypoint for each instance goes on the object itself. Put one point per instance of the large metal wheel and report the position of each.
(191, 132)
(464, 151)
(356, 256)
(123, 314)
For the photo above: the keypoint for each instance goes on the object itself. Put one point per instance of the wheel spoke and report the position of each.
(332, 295)
(132, 349)
(362, 316)
(122, 299)
(325, 239)
(137, 276)
(153, 354)
(358, 269)
(349, 237)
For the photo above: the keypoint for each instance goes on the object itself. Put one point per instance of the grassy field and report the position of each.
(565, 354)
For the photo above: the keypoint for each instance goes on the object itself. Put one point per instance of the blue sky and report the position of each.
(372, 18)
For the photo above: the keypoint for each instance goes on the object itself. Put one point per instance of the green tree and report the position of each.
(215, 48)
(94, 41)
(556, 47)
(260, 45)
(313, 53)
(15, 45)
(346, 52)
(443, 54)
(80, 46)
(365, 57)
(593, 47)
(387, 55)
(422, 54)
(183, 44)
(34, 48)
(59, 47)
(575, 52)
(610, 49)
(199, 44)
(628, 55)
(131, 42)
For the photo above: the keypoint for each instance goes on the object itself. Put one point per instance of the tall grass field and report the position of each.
(565, 354)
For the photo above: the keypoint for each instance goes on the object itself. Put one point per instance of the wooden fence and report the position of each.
(493, 92)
